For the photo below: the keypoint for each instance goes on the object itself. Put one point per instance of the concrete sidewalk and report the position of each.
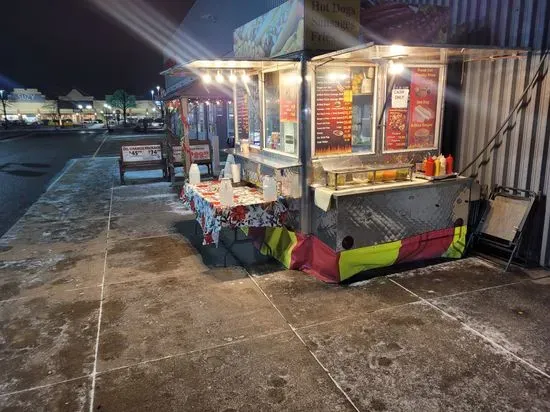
(107, 303)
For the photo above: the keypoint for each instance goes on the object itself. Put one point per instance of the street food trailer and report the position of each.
(346, 135)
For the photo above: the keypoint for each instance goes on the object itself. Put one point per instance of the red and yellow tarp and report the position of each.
(311, 255)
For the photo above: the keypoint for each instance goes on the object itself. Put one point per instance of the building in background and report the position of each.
(30, 106)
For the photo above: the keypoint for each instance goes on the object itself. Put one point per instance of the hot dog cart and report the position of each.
(346, 135)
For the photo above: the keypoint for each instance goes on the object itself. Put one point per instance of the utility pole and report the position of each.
(4, 108)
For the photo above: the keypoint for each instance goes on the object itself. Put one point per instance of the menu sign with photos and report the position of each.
(333, 117)
(423, 106)
(396, 129)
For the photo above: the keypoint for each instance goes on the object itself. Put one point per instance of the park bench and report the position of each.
(201, 153)
(141, 156)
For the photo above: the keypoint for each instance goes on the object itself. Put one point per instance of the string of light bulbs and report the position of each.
(220, 78)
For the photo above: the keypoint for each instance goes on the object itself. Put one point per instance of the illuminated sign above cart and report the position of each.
(299, 25)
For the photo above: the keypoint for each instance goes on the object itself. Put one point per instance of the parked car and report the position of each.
(140, 125)
(67, 123)
(157, 123)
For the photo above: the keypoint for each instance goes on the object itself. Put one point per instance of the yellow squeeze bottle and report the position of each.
(437, 166)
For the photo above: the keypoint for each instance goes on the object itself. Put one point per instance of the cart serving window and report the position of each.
(281, 92)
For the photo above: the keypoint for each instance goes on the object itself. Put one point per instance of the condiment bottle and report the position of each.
(450, 161)
(424, 164)
(430, 167)
(194, 174)
(443, 163)
(226, 192)
(437, 166)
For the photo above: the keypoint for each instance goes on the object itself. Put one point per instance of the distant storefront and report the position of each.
(31, 106)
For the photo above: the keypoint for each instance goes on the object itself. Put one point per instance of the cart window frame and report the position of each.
(237, 84)
(440, 105)
(377, 83)
(284, 69)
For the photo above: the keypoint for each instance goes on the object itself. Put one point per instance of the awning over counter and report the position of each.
(226, 64)
(372, 52)
(199, 90)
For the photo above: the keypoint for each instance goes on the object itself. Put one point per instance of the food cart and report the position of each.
(345, 134)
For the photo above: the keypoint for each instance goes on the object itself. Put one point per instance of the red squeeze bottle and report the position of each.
(449, 164)
(430, 167)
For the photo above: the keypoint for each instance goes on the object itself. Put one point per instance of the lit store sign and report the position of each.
(20, 97)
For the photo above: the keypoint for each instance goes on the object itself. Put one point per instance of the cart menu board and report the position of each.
(242, 113)
(423, 106)
(396, 129)
(333, 110)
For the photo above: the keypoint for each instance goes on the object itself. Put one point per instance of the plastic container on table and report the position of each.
(226, 192)
(236, 172)
(194, 174)
(270, 189)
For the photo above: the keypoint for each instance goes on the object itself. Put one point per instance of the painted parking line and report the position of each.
(106, 134)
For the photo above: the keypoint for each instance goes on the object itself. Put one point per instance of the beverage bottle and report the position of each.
(450, 161)
(226, 192)
(194, 174)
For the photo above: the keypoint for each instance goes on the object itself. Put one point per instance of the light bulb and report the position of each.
(232, 78)
(245, 78)
(396, 68)
(219, 78)
(206, 78)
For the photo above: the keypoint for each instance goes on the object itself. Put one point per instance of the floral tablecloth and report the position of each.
(249, 209)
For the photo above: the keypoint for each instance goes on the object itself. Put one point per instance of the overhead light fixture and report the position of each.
(207, 78)
(397, 50)
(232, 78)
(395, 68)
(219, 78)
(245, 78)
(89, 107)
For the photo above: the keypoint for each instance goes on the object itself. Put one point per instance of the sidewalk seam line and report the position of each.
(358, 315)
(473, 291)
(303, 343)
(476, 332)
(48, 385)
(191, 352)
(94, 371)
(101, 144)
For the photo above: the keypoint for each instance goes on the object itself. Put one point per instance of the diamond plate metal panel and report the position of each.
(324, 225)
(381, 217)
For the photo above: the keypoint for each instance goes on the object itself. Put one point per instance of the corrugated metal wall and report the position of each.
(490, 89)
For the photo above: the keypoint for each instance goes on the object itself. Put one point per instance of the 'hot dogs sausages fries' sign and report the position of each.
(299, 25)
(145, 153)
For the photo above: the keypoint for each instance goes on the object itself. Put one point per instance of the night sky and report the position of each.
(55, 45)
